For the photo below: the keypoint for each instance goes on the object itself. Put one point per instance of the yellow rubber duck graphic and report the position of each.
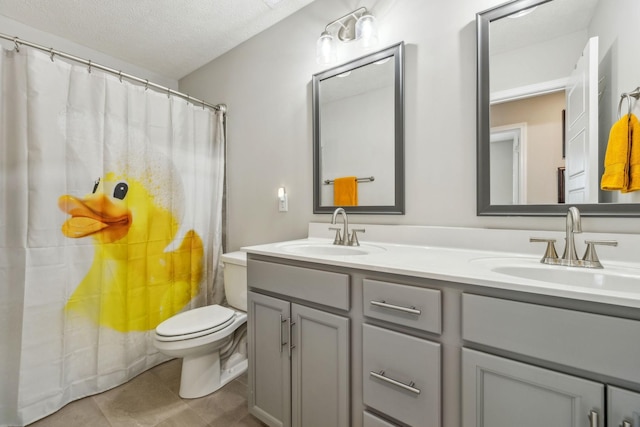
(134, 282)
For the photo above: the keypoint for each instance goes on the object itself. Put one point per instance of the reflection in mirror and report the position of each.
(358, 132)
(550, 76)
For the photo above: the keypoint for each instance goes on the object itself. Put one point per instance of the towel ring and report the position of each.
(622, 97)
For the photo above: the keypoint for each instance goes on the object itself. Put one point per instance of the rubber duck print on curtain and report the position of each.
(110, 222)
(132, 216)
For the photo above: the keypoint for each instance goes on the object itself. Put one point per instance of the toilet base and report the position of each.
(201, 375)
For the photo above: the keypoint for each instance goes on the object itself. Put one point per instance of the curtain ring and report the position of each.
(188, 98)
(15, 42)
(51, 53)
(168, 93)
(89, 67)
(146, 84)
(120, 76)
(203, 104)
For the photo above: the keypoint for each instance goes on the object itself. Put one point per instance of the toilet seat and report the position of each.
(195, 323)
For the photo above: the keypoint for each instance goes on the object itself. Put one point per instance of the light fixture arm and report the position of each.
(355, 14)
(346, 32)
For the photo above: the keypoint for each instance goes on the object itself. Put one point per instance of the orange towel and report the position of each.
(345, 191)
(634, 157)
(617, 157)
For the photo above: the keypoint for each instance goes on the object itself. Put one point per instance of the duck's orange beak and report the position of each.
(95, 214)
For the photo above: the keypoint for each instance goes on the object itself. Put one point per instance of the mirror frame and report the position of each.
(484, 206)
(397, 52)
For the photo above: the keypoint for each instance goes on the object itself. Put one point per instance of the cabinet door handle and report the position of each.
(383, 304)
(626, 424)
(291, 346)
(410, 387)
(594, 419)
(282, 343)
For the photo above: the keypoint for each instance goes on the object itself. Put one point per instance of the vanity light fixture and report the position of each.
(357, 25)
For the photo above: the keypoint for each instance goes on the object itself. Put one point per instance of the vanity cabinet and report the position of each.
(499, 391)
(298, 355)
(335, 346)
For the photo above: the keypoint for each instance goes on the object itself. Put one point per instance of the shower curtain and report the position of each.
(110, 222)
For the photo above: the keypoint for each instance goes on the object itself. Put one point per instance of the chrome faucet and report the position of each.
(570, 257)
(344, 239)
(574, 225)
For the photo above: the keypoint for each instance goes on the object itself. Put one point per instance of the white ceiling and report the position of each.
(169, 37)
(546, 22)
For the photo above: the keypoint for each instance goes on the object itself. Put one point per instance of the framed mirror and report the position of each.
(358, 135)
(551, 75)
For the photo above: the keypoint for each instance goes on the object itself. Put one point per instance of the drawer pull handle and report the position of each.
(380, 375)
(594, 419)
(282, 344)
(383, 304)
(291, 346)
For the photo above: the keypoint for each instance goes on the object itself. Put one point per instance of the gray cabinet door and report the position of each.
(622, 406)
(320, 368)
(499, 392)
(269, 364)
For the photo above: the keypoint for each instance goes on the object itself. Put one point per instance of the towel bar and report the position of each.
(365, 179)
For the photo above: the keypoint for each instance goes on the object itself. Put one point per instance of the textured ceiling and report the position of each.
(170, 37)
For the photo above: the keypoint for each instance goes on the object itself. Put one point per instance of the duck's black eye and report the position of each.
(120, 191)
(95, 185)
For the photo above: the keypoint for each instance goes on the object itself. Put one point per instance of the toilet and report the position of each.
(212, 339)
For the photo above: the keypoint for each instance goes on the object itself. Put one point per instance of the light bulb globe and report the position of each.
(325, 49)
(367, 30)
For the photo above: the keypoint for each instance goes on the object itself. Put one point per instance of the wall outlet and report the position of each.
(283, 203)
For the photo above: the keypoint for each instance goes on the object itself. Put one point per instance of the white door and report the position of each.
(581, 173)
(507, 160)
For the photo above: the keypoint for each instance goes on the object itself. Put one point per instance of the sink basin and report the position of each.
(575, 277)
(327, 249)
(609, 278)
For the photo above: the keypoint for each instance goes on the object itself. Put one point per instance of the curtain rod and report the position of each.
(120, 74)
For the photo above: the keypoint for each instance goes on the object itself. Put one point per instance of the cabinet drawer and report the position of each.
(370, 420)
(593, 342)
(404, 305)
(322, 287)
(401, 376)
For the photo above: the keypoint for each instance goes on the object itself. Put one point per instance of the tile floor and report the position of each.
(151, 399)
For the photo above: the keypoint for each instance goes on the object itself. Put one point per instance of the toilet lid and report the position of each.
(197, 322)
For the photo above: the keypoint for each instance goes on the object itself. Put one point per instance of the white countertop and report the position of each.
(466, 263)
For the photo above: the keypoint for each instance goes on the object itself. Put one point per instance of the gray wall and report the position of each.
(266, 84)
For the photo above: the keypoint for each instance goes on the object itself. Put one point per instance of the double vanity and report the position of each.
(434, 326)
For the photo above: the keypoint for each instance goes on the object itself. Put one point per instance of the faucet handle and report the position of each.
(338, 239)
(550, 254)
(590, 256)
(353, 240)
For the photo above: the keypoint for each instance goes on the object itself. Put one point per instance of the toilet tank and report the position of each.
(235, 279)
